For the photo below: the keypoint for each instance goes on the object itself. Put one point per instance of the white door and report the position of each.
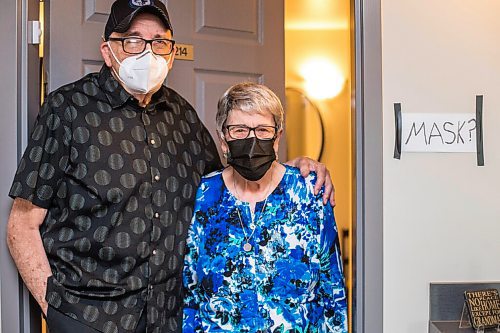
(233, 41)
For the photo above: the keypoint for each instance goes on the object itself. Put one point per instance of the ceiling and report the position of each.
(316, 14)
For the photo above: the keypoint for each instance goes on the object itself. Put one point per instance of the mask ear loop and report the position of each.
(276, 151)
(113, 54)
(118, 61)
(226, 154)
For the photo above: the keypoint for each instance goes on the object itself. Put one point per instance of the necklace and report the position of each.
(247, 246)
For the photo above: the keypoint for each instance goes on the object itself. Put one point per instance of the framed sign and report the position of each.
(483, 307)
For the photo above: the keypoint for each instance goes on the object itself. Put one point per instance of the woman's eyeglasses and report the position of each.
(242, 132)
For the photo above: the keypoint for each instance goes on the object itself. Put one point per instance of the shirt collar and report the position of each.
(117, 95)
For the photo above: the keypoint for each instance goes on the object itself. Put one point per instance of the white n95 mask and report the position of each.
(142, 72)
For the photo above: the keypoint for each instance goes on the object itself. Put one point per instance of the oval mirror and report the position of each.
(304, 126)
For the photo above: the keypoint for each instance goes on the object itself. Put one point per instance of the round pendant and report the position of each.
(247, 247)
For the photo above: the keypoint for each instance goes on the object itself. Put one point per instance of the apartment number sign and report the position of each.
(184, 52)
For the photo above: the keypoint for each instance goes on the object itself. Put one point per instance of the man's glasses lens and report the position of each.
(135, 45)
(242, 132)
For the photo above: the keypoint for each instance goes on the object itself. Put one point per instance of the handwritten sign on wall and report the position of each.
(439, 132)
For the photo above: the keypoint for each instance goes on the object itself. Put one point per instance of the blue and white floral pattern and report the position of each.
(291, 280)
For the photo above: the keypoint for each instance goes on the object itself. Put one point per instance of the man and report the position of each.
(104, 192)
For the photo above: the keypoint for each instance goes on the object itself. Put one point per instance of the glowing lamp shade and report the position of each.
(322, 79)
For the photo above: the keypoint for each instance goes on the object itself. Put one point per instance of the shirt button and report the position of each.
(152, 141)
(157, 178)
(157, 215)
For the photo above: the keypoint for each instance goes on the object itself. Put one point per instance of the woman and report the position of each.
(262, 253)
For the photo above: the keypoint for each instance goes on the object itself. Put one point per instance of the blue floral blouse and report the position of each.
(290, 281)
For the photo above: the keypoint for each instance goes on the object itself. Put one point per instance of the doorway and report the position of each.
(318, 80)
(344, 38)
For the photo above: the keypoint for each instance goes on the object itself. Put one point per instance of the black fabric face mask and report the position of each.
(251, 157)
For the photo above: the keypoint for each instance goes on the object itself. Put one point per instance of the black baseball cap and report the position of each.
(123, 13)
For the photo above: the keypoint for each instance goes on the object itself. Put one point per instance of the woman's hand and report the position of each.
(306, 165)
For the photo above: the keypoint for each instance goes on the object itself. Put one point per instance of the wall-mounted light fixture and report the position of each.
(323, 79)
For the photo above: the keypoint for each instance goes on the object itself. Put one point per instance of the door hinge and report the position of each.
(34, 32)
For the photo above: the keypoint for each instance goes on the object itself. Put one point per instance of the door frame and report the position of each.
(366, 35)
(19, 94)
(9, 290)
(367, 128)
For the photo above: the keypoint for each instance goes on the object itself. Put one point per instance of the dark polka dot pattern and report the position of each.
(118, 182)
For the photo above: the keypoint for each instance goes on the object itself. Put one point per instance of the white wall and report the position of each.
(441, 211)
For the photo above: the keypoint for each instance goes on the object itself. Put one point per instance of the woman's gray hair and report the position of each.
(249, 97)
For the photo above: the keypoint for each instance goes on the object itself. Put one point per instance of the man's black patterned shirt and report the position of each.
(119, 183)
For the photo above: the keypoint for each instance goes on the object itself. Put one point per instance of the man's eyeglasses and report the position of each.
(242, 132)
(137, 45)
